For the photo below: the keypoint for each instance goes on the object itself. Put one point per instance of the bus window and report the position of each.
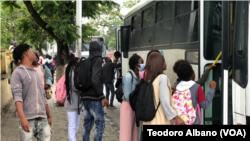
(163, 27)
(213, 29)
(192, 57)
(164, 10)
(85, 47)
(240, 57)
(183, 7)
(147, 30)
(186, 21)
(186, 28)
(148, 17)
(240, 44)
(135, 34)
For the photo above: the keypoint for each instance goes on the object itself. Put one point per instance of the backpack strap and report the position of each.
(83, 58)
(158, 105)
(132, 77)
(154, 79)
(199, 112)
(44, 71)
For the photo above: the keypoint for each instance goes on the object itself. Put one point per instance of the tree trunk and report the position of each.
(39, 48)
(62, 59)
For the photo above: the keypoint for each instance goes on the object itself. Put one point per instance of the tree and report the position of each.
(109, 20)
(58, 20)
(9, 27)
(130, 3)
(112, 43)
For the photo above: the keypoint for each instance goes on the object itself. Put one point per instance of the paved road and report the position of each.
(9, 128)
(113, 115)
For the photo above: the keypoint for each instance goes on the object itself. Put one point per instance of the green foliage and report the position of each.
(60, 17)
(112, 43)
(109, 20)
(9, 25)
(130, 3)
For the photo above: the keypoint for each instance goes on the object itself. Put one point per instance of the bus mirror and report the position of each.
(125, 40)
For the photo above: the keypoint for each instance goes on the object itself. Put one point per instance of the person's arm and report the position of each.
(16, 88)
(49, 117)
(24, 122)
(127, 86)
(116, 65)
(164, 98)
(203, 101)
(48, 77)
(204, 77)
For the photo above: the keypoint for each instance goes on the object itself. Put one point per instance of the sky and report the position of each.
(123, 10)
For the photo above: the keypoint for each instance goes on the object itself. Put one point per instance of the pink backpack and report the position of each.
(61, 92)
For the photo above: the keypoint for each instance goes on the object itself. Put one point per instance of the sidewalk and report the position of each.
(9, 128)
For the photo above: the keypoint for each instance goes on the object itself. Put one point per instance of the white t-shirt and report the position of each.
(41, 58)
(11, 47)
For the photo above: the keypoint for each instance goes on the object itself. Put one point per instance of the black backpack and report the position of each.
(82, 74)
(134, 94)
(144, 104)
(119, 92)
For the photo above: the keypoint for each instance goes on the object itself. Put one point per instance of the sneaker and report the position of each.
(112, 107)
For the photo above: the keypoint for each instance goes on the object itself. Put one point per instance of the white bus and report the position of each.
(197, 31)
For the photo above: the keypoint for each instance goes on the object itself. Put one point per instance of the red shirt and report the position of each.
(200, 95)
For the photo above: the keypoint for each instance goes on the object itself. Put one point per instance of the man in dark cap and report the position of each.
(93, 99)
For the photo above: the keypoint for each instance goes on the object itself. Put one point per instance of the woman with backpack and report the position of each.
(71, 102)
(143, 73)
(162, 91)
(128, 128)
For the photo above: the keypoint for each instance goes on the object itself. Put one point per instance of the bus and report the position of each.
(85, 46)
(196, 31)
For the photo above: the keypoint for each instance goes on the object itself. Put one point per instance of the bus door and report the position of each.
(210, 48)
(228, 12)
(240, 87)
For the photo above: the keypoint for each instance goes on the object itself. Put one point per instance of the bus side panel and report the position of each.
(238, 104)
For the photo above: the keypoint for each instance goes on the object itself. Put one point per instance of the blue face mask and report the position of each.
(142, 67)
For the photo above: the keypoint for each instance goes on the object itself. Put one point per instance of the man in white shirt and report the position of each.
(41, 60)
(13, 46)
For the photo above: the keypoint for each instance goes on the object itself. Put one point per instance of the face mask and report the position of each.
(142, 67)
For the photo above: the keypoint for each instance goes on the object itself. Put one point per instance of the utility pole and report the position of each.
(79, 23)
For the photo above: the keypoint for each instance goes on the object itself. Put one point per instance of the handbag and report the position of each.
(48, 91)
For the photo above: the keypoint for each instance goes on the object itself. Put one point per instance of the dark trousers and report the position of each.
(110, 87)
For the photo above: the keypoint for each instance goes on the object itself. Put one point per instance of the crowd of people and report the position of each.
(29, 83)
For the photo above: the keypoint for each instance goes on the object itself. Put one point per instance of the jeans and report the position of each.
(52, 73)
(110, 87)
(93, 112)
(38, 128)
(73, 126)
